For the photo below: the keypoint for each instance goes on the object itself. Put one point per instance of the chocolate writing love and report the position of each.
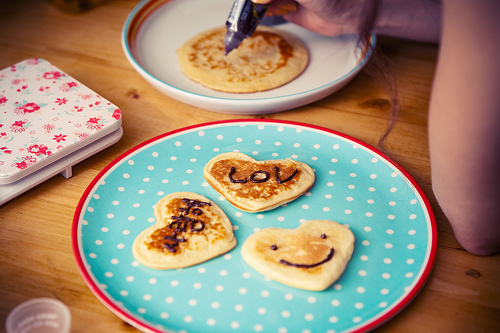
(260, 176)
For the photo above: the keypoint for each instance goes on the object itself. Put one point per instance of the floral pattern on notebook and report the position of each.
(44, 111)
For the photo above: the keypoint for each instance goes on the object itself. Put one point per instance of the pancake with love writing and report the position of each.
(256, 186)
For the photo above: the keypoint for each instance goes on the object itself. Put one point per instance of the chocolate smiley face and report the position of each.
(306, 248)
(311, 257)
(310, 254)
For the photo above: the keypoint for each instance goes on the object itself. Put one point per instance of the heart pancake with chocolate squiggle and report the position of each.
(189, 230)
(310, 257)
(256, 186)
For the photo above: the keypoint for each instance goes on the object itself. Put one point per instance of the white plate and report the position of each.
(155, 29)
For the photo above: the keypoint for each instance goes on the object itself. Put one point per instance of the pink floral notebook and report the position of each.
(45, 115)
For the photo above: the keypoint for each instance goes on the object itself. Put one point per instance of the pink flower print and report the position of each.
(59, 137)
(93, 123)
(13, 68)
(83, 135)
(3, 100)
(95, 105)
(85, 96)
(78, 108)
(117, 114)
(49, 127)
(4, 150)
(32, 61)
(27, 161)
(61, 101)
(26, 108)
(30, 107)
(18, 126)
(39, 150)
(16, 82)
(65, 87)
(52, 75)
(23, 90)
(42, 88)
(21, 165)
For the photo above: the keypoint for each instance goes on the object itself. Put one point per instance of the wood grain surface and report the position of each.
(36, 258)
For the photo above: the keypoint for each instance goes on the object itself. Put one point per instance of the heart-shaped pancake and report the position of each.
(310, 257)
(189, 230)
(256, 186)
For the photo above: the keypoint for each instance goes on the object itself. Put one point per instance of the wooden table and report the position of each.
(36, 258)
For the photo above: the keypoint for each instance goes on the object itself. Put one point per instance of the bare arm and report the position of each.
(418, 20)
(464, 123)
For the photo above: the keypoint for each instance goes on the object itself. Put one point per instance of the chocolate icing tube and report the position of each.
(242, 21)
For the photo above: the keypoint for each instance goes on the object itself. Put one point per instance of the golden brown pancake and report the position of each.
(268, 59)
(189, 230)
(256, 186)
(311, 257)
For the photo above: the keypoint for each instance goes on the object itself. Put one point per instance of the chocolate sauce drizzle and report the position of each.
(172, 246)
(254, 179)
(181, 222)
(193, 203)
(240, 181)
(328, 258)
(259, 180)
(277, 170)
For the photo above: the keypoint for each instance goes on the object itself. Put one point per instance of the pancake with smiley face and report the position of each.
(310, 257)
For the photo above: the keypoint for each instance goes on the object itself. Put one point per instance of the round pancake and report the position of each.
(268, 59)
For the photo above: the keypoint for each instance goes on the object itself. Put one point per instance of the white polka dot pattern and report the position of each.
(354, 186)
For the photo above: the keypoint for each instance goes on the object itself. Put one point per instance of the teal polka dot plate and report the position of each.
(356, 185)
